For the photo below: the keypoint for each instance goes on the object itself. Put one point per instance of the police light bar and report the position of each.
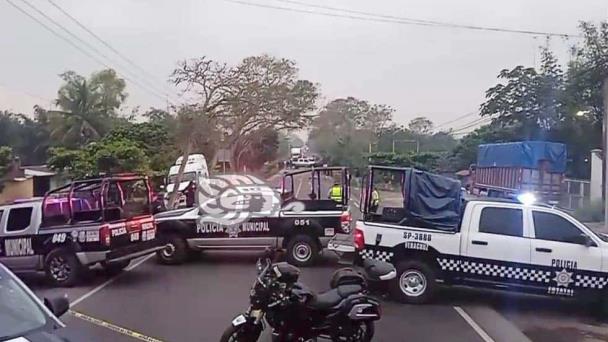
(526, 198)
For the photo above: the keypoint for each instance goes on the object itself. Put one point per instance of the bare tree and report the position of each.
(261, 92)
(212, 83)
(268, 94)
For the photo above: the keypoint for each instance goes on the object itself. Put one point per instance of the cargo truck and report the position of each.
(507, 169)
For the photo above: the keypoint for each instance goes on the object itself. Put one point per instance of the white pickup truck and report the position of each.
(496, 244)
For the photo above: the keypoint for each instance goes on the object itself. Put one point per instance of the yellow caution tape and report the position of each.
(114, 327)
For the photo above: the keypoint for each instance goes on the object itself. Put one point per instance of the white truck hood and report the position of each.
(182, 187)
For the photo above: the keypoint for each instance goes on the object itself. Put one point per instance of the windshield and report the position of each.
(19, 314)
(187, 177)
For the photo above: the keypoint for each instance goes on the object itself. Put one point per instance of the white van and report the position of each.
(196, 170)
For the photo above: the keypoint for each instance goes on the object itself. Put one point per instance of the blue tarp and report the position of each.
(524, 154)
(434, 200)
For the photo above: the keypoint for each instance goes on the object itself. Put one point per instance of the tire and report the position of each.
(114, 268)
(599, 307)
(62, 268)
(302, 251)
(415, 282)
(242, 333)
(175, 252)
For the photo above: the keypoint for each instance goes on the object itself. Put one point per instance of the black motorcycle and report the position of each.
(344, 313)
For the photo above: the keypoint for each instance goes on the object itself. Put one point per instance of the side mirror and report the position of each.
(57, 305)
(584, 240)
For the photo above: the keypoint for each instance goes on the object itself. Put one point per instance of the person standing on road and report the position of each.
(375, 200)
(335, 192)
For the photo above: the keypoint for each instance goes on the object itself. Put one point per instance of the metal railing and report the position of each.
(575, 193)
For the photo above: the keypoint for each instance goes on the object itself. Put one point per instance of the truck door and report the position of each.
(19, 226)
(496, 248)
(569, 254)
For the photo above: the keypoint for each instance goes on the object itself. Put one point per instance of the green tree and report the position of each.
(341, 133)
(267, 94)
(528, 100)
(155, 138)
(465, 153)
(88, 108)
(6, 157)
(28, 138)
(420, 125)
(102, 157)
(421, 161)
(264, 148)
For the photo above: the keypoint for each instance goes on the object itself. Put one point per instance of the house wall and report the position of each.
(596, 175)
(17, 189)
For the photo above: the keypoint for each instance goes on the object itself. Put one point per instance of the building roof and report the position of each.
(37, 171)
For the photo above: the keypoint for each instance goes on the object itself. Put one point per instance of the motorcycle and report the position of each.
(346, 312)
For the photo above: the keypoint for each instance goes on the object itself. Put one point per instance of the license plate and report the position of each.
(238, 320)
(147, 235)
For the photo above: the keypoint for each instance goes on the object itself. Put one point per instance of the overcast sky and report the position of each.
(436, 72)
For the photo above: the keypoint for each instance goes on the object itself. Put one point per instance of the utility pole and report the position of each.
(605, 149)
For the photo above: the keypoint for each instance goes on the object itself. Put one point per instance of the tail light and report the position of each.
(358, 239)
(104, 235)
(345, 220)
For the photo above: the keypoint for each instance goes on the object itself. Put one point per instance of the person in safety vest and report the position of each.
(375, 200)
(335, 192)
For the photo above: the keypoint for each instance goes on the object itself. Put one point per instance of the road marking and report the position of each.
(484, 336)
(107, 282)
(116, 328)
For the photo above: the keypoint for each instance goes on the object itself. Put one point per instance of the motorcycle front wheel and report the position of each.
(242, 333)
(363, 332)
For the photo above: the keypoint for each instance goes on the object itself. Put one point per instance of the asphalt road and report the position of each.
(196, 302)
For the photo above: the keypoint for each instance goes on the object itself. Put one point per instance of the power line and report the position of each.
(368, 16)
(91, 47)
(74, 45)
(456, 119)
(102, 41)
(472, 124)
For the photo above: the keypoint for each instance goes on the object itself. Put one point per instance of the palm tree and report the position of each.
(87, 107)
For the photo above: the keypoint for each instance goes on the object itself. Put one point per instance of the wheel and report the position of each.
(599, 307)
(302, 250)
(415, 282)
(364, 332)
(114, 268)
(175, 252)
(62, 268)
(242, 333)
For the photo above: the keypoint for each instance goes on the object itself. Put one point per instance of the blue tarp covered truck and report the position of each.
(508, 169)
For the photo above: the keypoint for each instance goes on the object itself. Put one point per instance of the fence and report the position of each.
(575, 193)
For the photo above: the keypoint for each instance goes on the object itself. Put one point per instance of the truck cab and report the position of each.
(105, 221)
(195, 172)
(485, 243)
(298, 213)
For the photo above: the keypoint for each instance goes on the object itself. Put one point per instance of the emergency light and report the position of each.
(526, 198)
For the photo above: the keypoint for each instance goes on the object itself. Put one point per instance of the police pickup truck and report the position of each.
(300, 214)
(434, 237)
(105, 221)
